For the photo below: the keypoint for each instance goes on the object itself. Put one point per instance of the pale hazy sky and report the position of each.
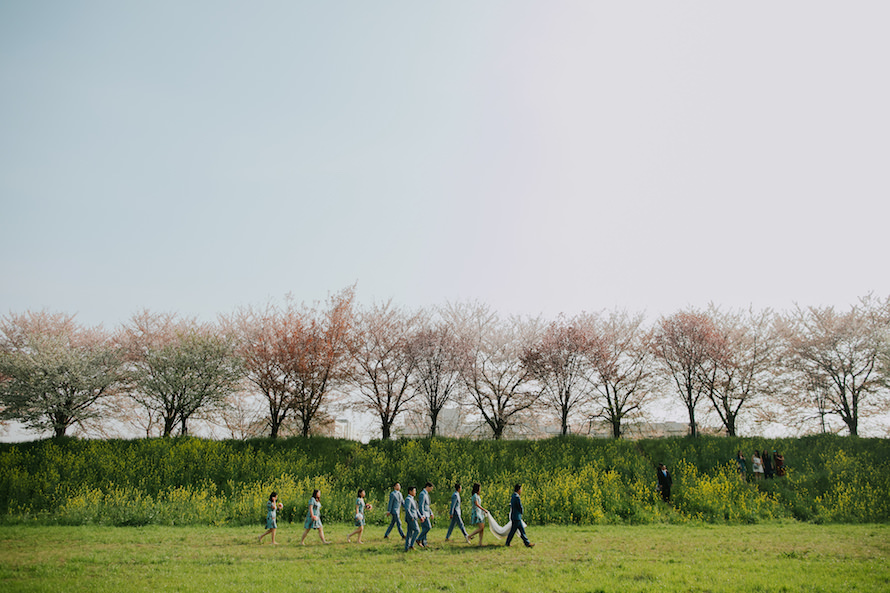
(542, 157)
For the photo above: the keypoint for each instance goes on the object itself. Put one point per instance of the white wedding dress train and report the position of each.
(500, 531)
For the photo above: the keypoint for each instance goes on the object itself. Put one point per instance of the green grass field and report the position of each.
(766, 557)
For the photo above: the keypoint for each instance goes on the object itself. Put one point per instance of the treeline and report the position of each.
(278, 370)
(566, 479)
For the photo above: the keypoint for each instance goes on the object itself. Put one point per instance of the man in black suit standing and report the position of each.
(664, 482)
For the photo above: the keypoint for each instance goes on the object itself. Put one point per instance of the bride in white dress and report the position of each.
(500, 531)
(478, 515)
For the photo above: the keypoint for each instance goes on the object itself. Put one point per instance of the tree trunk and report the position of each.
(434, 421)
(275, 420)
(60, 424)
(169, 422)
(730, 425)
(852, 425)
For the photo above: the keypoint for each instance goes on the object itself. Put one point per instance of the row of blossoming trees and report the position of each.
(159, 372)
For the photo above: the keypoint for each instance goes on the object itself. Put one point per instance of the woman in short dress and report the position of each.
(272, 508)
(360, 508)
(313, 518)
(757, 465)
(477, 514)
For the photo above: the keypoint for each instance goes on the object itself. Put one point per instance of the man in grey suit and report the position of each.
(454, 512)
(412, 516)
(395, 504)
(426, 513)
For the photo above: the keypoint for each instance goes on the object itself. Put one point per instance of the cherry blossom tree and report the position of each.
(743, 362)
(296, 356)
(500, 386)
(179, 366)
(384, 361)
(54, 372)
(560, 360)
(682, 342)
(840, 352)
(261, 345)
(802, 403)
(320, 360)
(622, 365)
(437, 355)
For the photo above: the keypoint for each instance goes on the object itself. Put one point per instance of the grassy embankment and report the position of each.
(567, 481)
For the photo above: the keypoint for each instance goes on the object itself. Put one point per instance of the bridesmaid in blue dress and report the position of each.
(272, 508)
(360, 508)
(313, 518)
(477, 515)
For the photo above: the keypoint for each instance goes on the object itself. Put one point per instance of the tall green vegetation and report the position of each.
(567, 480)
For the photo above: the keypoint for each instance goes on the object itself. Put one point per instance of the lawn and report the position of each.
(658, 558)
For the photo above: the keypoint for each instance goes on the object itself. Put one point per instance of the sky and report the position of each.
(541, 157)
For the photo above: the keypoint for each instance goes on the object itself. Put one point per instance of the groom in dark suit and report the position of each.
(516, 518)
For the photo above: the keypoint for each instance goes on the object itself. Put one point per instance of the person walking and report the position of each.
(313, 518)
(426, 514)
(360, 508)
(393, 508)
(272, 508)
(477, 513)
(412, 516)
(454, 512)
(516, 518)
